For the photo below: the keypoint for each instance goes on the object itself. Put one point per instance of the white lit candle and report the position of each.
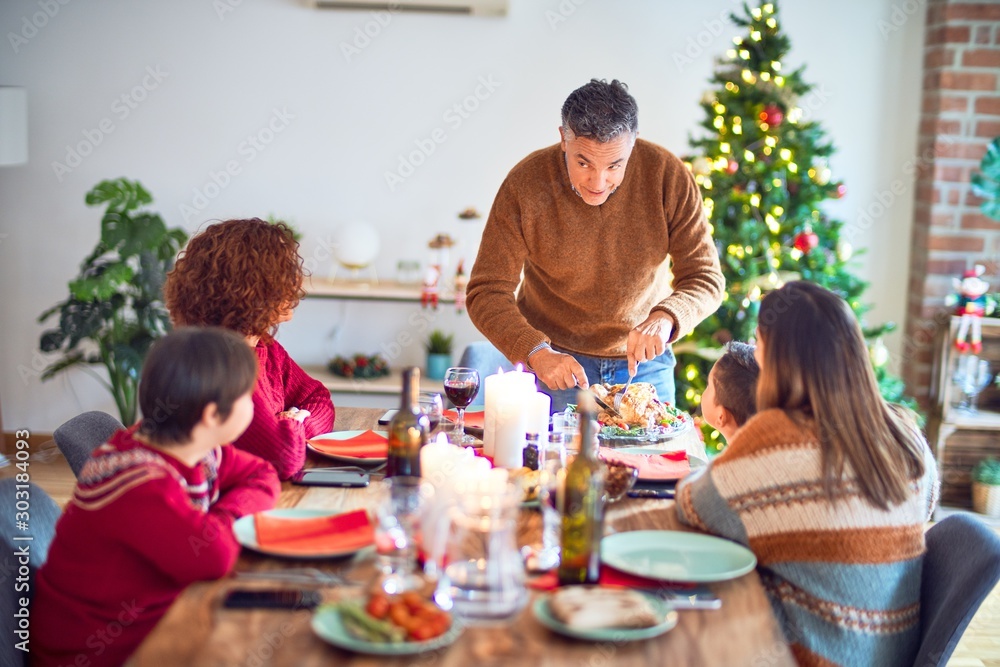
(538, 414)
(492, 386)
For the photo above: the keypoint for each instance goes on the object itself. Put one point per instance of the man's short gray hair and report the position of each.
(601, 110)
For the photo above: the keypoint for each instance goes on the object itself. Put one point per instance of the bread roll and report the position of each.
(593, 608)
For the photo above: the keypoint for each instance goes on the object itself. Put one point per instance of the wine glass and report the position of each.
(974, 379)
(461, 385)
(430, 404)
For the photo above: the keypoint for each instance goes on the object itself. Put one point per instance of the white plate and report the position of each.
(676, 556)
(345, 435)
(246, 533)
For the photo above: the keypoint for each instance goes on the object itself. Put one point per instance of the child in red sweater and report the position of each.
(153, 508)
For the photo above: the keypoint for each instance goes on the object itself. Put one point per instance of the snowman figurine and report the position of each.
(971, 306)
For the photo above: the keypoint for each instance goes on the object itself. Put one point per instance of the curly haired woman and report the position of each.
(246, 275)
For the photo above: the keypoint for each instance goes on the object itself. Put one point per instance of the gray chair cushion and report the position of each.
(78, 437)
(485, 358)
(41, 525)
(961, 567)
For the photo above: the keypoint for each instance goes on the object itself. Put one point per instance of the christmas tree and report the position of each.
(764, 174)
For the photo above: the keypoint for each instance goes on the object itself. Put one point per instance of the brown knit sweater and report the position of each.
(592, 273)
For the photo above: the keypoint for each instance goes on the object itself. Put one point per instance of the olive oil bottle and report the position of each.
(408, 430)
(581, 503)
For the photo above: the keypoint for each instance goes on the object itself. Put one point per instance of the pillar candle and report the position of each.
(538, 414)
(492, 385)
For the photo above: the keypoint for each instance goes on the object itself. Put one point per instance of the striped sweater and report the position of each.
(843, 578)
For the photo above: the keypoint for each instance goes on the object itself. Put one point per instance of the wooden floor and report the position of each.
(980, 646)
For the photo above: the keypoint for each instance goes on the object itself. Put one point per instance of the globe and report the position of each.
(356, 245)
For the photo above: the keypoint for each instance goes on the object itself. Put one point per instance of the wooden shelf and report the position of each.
(983, 419)
(390, 385)
(384, 290)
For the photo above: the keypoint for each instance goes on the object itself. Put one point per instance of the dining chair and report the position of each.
(961, 567)
(79, 436)
(486, 359)
(40, 526)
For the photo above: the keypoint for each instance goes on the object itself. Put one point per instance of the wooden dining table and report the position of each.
(198, 631)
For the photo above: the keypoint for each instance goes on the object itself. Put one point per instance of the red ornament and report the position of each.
(772, 115)
(732, 167)
(805, 241)
(841, 191)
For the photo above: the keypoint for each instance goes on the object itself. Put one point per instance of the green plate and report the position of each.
(676, 556)
(663, 610)
(327, 625)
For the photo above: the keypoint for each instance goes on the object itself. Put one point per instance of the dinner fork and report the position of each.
(621, 394)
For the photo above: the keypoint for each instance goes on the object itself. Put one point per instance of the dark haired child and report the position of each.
(730, 398)
(154, 507)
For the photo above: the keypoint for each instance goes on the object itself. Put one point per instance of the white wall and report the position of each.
(351, 119)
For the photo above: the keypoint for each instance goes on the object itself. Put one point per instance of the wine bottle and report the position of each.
(408, 430)
(581, 503)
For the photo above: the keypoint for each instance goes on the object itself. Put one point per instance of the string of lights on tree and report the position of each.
(764, 172)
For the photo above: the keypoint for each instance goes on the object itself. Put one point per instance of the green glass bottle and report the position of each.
(581, 503)
(408, 430)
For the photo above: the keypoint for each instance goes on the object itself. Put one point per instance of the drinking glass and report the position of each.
(399, 506)
(551, 464)
(485, 570)
(974, 379)
(431, 405)
(461, 385)
(567, 423)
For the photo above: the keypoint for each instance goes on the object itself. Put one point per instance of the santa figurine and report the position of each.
(429, 293)
(971, 306)
(461, 282)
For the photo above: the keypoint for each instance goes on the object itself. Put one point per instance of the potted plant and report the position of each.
(115, 309)
(986, 487)
(438, 348)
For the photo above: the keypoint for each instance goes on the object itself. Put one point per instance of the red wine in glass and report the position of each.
(461, 392)
(461, 386)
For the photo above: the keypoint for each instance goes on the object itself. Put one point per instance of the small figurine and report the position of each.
(461, 282)
(971, 307)
(429, 293)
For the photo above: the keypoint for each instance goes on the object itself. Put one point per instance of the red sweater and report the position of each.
(140, 528)
(282, 384)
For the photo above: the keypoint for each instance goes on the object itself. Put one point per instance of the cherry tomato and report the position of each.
(399, 615)
(422, 633)
(378, 606)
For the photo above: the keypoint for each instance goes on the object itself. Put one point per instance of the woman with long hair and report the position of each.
(246, 275)
(828, 485)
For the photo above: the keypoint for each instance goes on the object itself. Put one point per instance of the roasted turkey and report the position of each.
(639, 405)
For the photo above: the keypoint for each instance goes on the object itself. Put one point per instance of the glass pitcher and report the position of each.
(485, 570)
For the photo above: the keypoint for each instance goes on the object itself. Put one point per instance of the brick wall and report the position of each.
(960, 115)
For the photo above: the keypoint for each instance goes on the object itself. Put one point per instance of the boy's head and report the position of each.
(187, 371)
(730, 398)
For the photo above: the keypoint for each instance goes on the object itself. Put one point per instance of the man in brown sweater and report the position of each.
(617, 264)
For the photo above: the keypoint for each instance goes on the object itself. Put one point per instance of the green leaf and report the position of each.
(70, 360)
(120, 194)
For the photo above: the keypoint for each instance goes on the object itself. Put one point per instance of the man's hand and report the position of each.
(649, 339)
(558, 370)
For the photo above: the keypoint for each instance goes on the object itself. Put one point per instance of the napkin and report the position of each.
(342, 532)
(609, 577)
(473, 419)
(656, 467)
(367, 445)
